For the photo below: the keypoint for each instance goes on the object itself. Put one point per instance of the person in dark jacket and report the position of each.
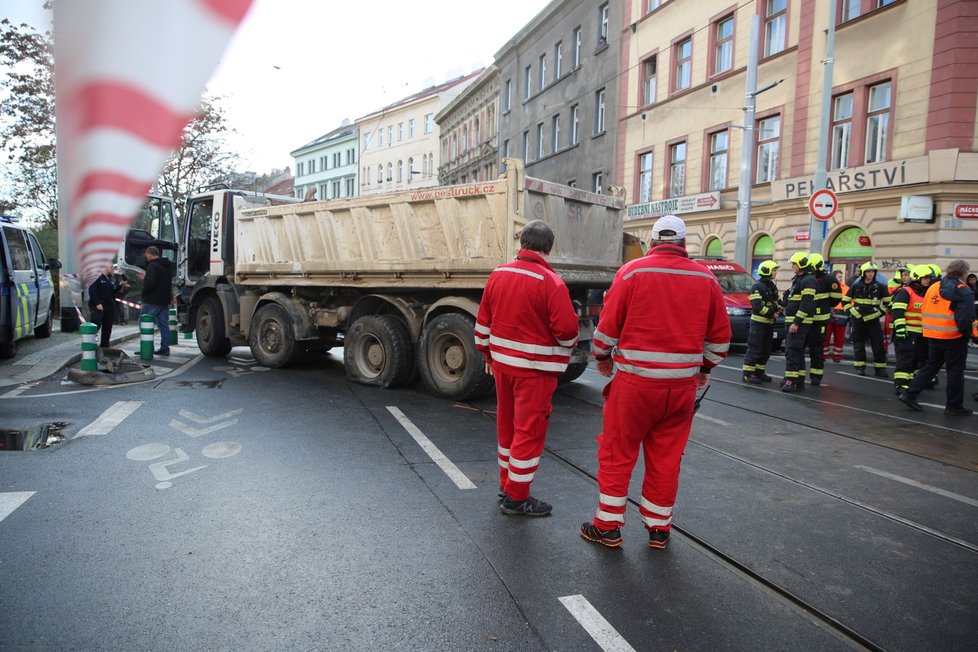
(765, 308)
(158, 294)
(101, 301)
(870, 301)
(799, 313)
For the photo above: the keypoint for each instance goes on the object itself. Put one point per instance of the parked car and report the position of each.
(26, 290)
(736, 284)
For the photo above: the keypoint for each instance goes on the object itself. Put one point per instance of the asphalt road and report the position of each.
(227, 506)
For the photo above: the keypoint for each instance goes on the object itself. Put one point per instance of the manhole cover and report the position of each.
(32, 438)
(190, 384)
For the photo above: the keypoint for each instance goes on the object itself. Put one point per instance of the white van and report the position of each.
(26, 291)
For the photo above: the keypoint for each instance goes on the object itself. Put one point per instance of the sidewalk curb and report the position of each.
(76, 358)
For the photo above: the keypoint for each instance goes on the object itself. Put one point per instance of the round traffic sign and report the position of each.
(823, 204)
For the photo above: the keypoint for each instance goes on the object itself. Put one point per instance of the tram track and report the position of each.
(817, 615)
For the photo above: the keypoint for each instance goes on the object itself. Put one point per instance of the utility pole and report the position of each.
(742, 233)
(816, 236)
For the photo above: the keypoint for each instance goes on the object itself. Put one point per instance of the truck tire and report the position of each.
(272, 337)
(44, 330)
(572, 373)
(451, 367)
(211, 332)
(378, 352)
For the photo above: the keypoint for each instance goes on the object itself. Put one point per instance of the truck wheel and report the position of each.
(572, 373)
(451, 367)
(272, 338)
(44, 330)
(211, 331)
(378, 352)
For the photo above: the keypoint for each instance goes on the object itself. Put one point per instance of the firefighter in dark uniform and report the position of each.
(908, 338)
(765, 307)
(827, 294)
(799, 313)
(870, 301)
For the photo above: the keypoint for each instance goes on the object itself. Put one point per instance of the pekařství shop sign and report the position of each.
(706, 201)
(870, 177)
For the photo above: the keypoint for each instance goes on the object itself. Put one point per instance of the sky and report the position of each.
(297, 68)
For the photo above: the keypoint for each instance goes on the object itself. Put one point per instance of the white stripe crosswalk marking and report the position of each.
(11, 500)
(920, 485)
(446, 465)
(109, 419)
(594, 624)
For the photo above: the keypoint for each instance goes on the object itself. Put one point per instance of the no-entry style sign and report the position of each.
(823, 204)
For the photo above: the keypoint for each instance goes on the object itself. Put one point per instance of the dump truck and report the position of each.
(395, 279)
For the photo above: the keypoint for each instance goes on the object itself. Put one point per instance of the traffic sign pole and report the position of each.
(817, 243)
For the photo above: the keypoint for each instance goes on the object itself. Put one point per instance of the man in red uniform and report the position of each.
(527, 329)
(664, 326)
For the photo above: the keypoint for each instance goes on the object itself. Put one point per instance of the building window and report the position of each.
(349, 187)
(540, 141)
(351, 156)
(337, 159)
(400, 171)
(575, 123)
(299, 169)
(508, 95)
(453, 147)
(603, 25)
(380, 136)
(336, 189)
(719, 146)
(380, 174)
(841, 131)
(775, 26)
(411, 128)
(877, 122)
(677, 169)
(645, 177)
(543, 71)
(506, 147)
(527, 79)
(597, 182)
(526, 146)
(390, 135)
(465, 138)
(652, 5)
(429, 123)
(850, 10)
(558, 59)
(577, 47)
(400, 131)
(723, 52)
(768, 142)
(555, 133)
(684, 64)
(649, 68)
(599, 111)
(366, 141)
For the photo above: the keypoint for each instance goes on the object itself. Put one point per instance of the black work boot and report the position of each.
(881, 372)
(861, 370)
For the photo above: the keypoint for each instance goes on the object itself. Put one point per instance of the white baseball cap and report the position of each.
(674, 228)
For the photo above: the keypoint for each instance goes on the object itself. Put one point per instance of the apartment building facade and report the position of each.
(328, 164)
(468, 132)
(902, 141)
(558, 93)
(400, 142)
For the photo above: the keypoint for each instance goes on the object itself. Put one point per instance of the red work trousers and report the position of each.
(523, 406)
(835, 339)
(656, 415)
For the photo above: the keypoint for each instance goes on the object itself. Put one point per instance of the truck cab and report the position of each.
(26, 289)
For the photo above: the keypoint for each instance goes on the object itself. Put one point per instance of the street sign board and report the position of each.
(803, 235)
(823, 204)
(965, 211)
(706, 201)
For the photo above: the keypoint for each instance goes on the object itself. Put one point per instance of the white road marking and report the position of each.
(594, 624)
(196, 418)
(921, 485)
(855, 409)
(109, 419)
(11, 500)
(17, 391)
(452, 471)
(699, 415)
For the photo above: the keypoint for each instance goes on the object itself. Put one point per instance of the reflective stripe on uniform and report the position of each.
(513, 361)
(517, 270)
(645, 372)
(529, 348)
(666, 270)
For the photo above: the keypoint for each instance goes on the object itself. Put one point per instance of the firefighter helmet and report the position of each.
(767, 268)
(936, 269)
(816, 261)
(918, 272)
(801, 259)
(868, 266)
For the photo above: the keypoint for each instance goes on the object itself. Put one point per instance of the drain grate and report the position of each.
(190, 384)
(32, 438)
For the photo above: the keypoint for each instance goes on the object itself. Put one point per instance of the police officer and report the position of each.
(765, 307)
(908, 339)
(870, 300)
(799, 313)
(828, 292)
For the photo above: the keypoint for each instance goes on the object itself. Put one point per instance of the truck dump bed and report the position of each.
(440, 237)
